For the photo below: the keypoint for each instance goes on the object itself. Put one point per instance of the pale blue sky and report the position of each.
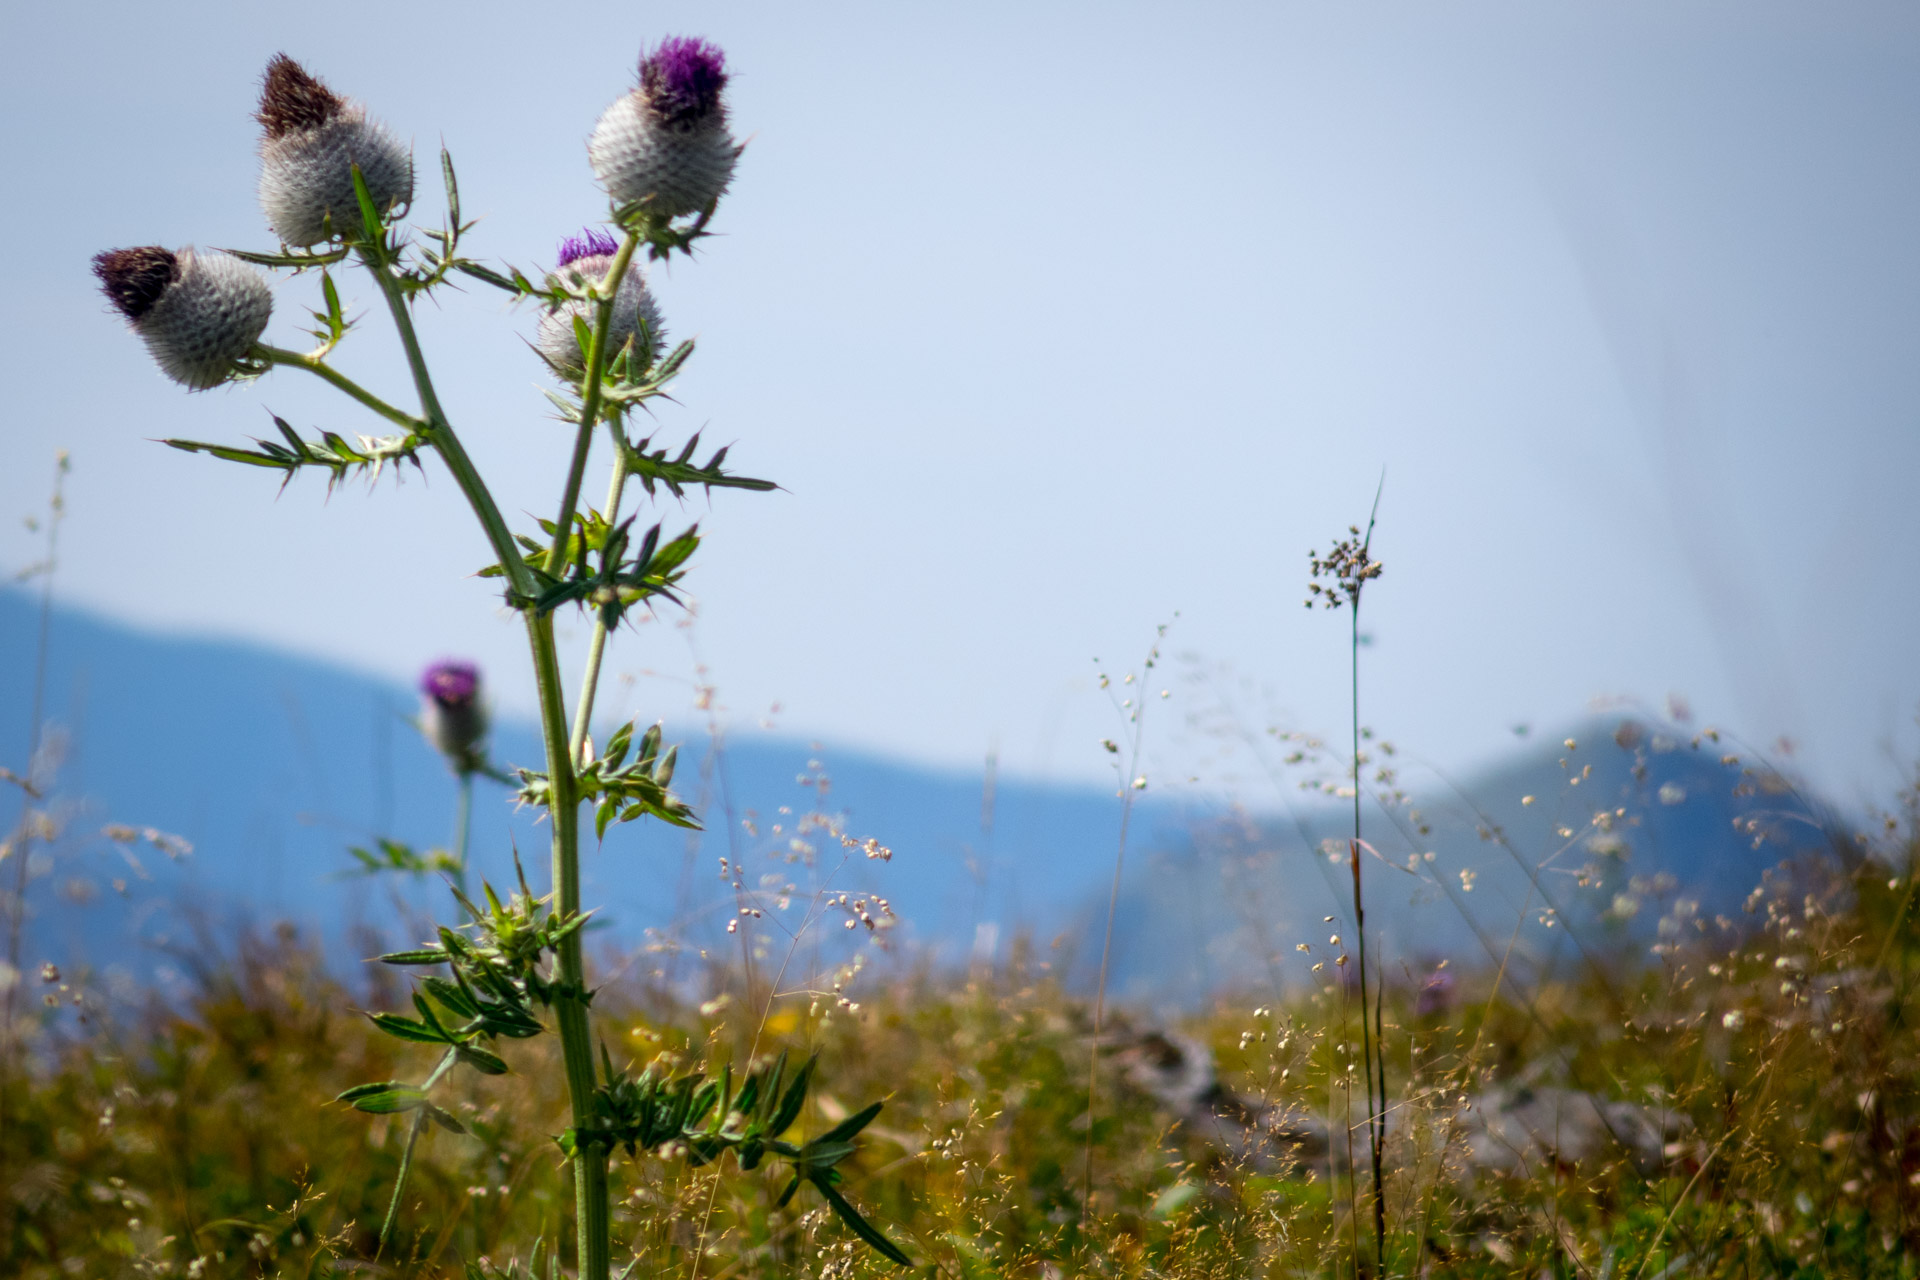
(1054, 320)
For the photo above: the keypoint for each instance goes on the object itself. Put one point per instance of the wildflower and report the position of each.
(313, 139)
(1435, 996)
(636, 318)
(667, 141)
(452, 716)
(198, 312)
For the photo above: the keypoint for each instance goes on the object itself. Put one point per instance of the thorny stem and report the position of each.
(319, 367)
(406, 1155)
(440, 431)
(605, 292)
(462, 829)
(597, 644)
(570, 1010)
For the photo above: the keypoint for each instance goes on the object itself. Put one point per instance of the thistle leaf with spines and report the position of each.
(331, 453)
(680, 473)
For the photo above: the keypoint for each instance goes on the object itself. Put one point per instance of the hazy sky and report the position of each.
(1055, 320)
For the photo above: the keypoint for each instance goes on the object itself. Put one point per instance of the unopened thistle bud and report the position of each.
(667, 141)
(451, 713)
(636, 318)
(313, 140)
(198, 312)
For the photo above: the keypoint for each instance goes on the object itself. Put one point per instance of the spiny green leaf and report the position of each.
(426, 955)
(384, 1099)
(404, 1028)
(851, 1126)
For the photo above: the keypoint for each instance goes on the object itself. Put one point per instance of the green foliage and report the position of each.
(1791, 1153)
(705, 1118)
(681, 472)
(620, 791)
(617, 582)
(396, 855)
(329, 452)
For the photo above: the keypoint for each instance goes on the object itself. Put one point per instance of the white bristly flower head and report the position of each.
(313, 139)
(667, 141)
(199, 312)
(589, 256)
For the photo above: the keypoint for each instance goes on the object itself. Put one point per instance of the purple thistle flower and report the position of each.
(683, 78)
(590, 243)
(450, 683)
(452, 717)
(636, 317)
(666, 143)
(199, 313)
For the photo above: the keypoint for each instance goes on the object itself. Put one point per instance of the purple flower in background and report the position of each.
(667, 141)
(198, 312)
(452, 716)
(636, 318)
(590, 243)
(1435, 996)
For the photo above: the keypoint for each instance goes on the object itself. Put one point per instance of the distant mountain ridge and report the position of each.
(272, 765)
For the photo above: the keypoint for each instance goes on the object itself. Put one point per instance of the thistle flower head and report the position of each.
(667, 141)
(636, 317)
(590, 243)
(312, 139)
(451, 684)
(198, 313)
(452, 716)
(682, 80)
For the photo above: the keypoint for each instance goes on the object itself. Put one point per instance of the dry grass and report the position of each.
(1778, 1054)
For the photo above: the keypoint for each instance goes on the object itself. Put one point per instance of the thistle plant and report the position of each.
(335, 187)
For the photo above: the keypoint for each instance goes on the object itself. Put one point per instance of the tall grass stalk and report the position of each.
(1132, 781)
(31, 781)
(1350, 565)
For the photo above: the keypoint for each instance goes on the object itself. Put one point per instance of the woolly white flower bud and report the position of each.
(667, 141)
(198, 312)
(313, 140)
(590, 256)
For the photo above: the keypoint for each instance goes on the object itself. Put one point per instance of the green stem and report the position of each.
(462, 827)
(440, 432)
(1376, 1102)
(570, 1010)
(590, 397)
(294, 360)
(406, 1156)
(597, 645)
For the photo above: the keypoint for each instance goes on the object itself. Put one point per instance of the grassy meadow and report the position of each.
(1774, 1056)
